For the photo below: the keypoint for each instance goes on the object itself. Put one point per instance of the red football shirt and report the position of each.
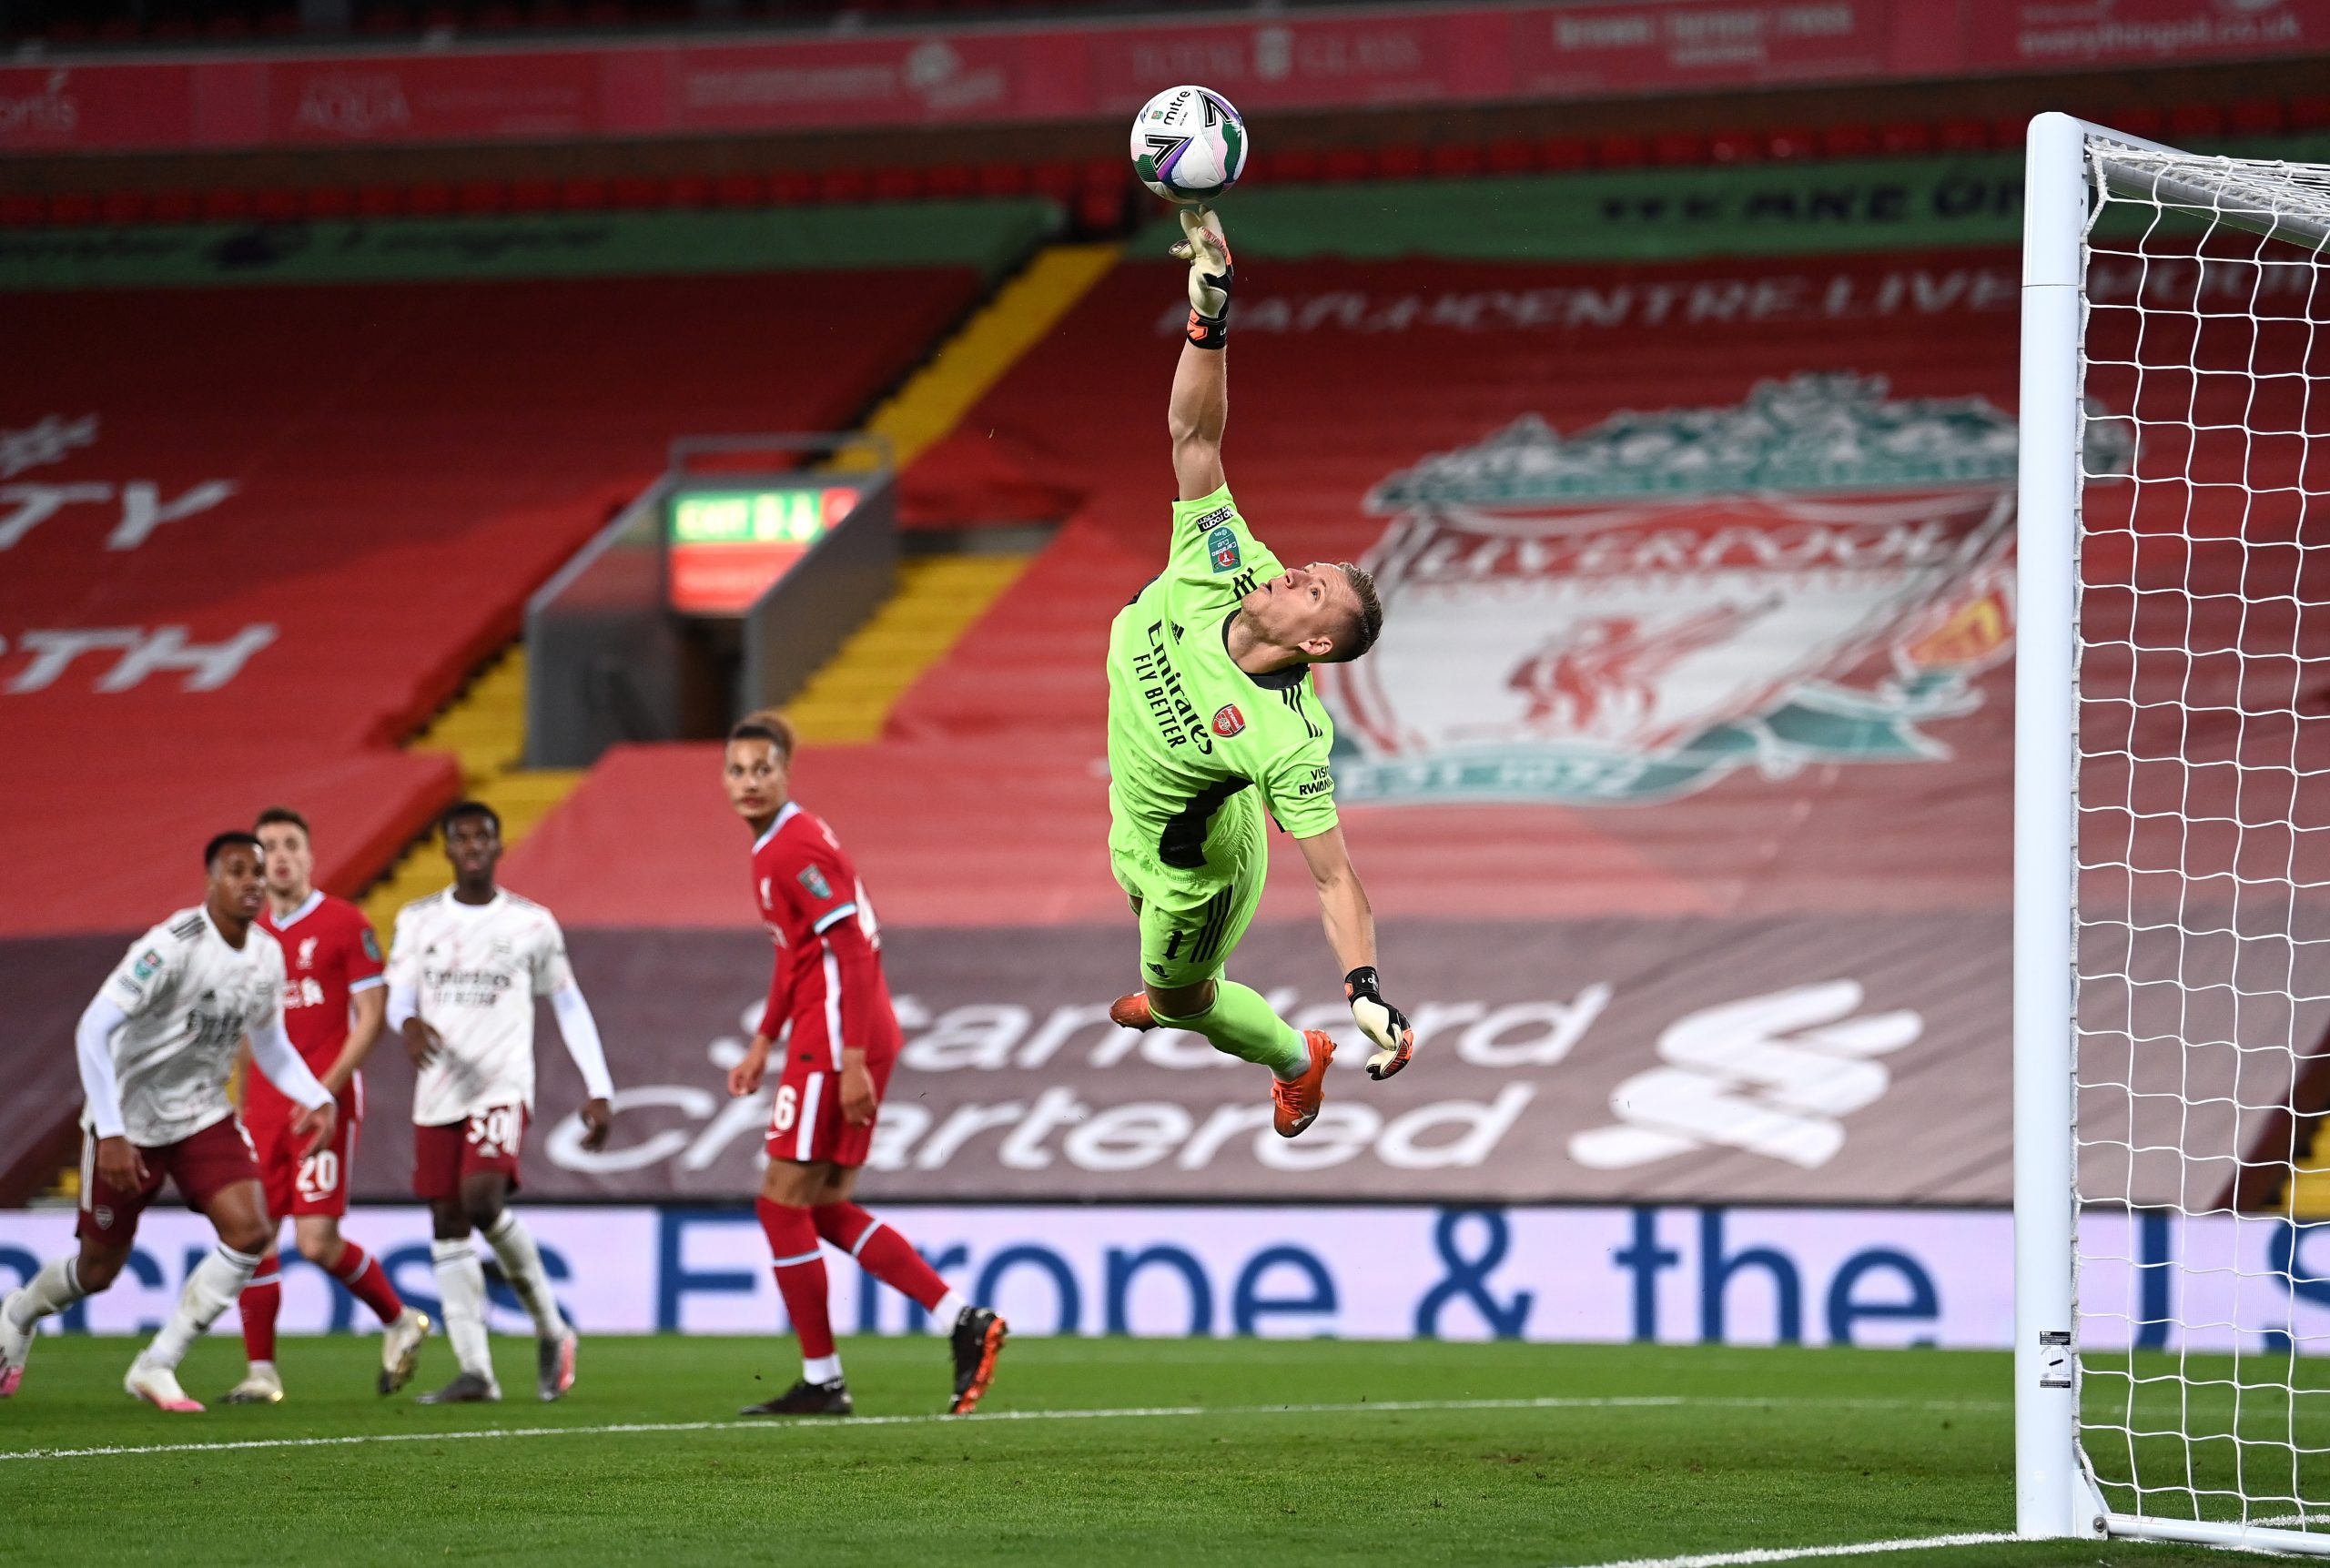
(330, 954)
(828, 982)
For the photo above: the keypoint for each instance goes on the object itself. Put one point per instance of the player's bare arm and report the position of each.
(1350, 932)
(368, 1014)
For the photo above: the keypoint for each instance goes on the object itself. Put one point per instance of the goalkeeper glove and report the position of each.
(1208, 253)
(1385, 1026)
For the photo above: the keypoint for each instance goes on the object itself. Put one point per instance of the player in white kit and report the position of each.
(155, 1049)
(464, 968)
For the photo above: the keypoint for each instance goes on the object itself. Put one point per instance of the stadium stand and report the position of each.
(316, 511)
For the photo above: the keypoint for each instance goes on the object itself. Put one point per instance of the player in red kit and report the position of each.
(334, 999)
(829, 1005)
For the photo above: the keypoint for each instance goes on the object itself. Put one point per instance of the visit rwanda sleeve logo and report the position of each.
(814, 881)
(1221, 544)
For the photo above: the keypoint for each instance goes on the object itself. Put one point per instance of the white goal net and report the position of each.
(2196, 457)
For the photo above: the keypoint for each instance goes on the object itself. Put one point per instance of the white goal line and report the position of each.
(1363, 1406)
(1793, 1553)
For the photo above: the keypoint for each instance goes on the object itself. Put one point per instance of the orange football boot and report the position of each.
(1131, 1012)
(1295, 1106)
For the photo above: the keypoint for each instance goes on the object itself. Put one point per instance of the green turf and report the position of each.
(1775, 1447)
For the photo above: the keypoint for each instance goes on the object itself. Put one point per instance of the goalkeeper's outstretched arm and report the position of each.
(1200, 408)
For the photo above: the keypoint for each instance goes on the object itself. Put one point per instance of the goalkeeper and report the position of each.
(1212, 720)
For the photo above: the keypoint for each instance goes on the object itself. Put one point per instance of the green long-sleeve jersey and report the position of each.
(1188, 729)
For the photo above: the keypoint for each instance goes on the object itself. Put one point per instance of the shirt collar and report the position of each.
(784, 813)
(1269, 680)
(307, 907)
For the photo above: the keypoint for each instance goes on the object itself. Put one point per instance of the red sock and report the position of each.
(366, 1281)
(881, 1251)
(261, 1299)
(800, 1275)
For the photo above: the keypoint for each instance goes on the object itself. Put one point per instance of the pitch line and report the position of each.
(1794, 1553)
(1363, 1406)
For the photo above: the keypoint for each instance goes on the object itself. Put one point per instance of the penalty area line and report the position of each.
(1137, 1412)
(1796, 1553)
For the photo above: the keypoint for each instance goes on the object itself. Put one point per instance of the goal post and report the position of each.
(2172, 822)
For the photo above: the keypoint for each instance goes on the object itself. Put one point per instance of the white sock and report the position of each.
(262, 1366)
(521, 1264)
(57, 1287)
(209, 1290)
(821, 1368)
(460, 1283)
(950, 1307)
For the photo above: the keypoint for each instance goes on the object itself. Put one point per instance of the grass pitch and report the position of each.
(1212, 1451)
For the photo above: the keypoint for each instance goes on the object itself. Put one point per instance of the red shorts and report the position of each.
(489, 1140)
(203, 1163)
(317, 1184)
(805, 1122)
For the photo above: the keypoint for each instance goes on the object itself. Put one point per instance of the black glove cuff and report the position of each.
(1363, 981)
(1209, 331)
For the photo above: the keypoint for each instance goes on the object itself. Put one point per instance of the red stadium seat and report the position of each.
(429, 200)
(124, 207)
(584, 195)
(380, 201)
(896, 182)
(1101, 209)
(1849, 141)
(482, 197)
(740, 190)
(1400, 161)
(951, 181)
(1558, 154)
(2310, 112)
(845, 185)
(331, 201)
(1680, 150)
(23, 211)
(277, 205)
(1457, 159)
(1621, 152)
(689, 191)
(1054, 179)
(1789, 141)
(2009, 131)
(1904, 136)
(1962, 135)
(1295, 166)
(534, 195)
(2195, 120)
(1512, 155)
(225, 205)
(2139, 120)
(1003, 179)
(72, 210)
(2255, 118)
(792, 187)
(1734, 146)
(1347, 164)
(176, 206)
(635, 193)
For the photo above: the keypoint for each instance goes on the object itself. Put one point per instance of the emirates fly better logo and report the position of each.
(1629, 613)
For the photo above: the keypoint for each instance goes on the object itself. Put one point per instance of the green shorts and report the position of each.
(1190, 922)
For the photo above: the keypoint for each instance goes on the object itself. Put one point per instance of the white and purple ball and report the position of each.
(1188, 145)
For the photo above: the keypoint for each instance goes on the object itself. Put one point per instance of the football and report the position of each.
(1188, 145)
